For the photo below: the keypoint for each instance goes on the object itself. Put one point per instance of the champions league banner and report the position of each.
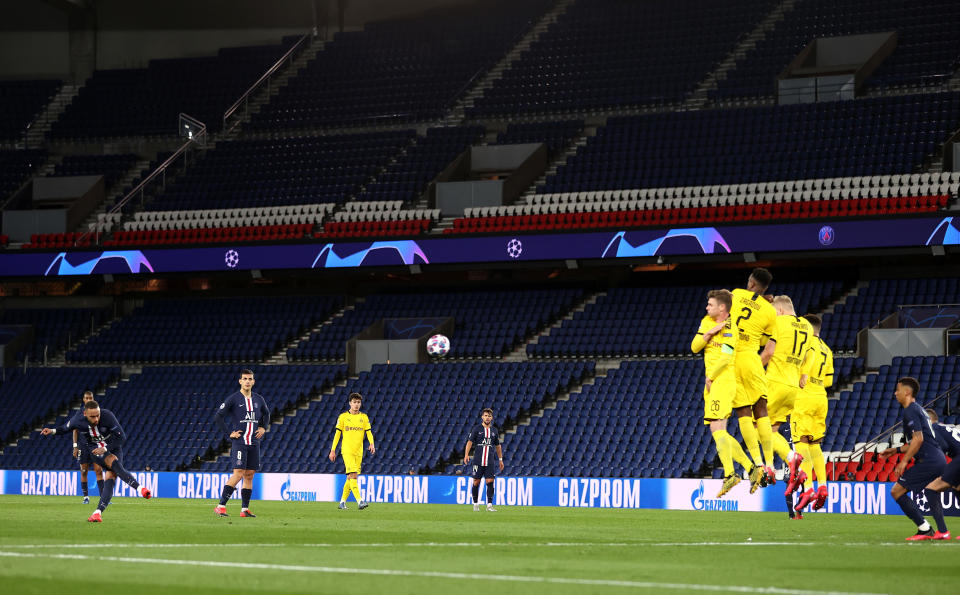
(567, 492)
(893, 232)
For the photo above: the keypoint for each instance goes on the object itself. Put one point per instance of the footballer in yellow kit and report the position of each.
(755, 319)
(352, 426)
(785, 352)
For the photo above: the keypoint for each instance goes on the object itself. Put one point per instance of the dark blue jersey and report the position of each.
(915, 420)
(948, 438)
(485, 440)
(243, 414)
(107, 433)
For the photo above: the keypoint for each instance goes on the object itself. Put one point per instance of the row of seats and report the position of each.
(22, 102)
(386, 214)
(657, 217)
(59, 240)
(212, 235)
(363, 229)
(54, 328)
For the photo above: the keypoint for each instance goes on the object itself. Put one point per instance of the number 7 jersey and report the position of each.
(818, 366)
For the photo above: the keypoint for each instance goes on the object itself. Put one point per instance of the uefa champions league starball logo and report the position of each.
(920, 497)
(232, 259)
(514, 248)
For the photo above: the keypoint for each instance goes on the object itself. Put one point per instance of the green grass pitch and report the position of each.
(179, 546)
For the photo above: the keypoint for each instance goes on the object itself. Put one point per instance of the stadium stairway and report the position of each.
(281, 356)
(520, 353)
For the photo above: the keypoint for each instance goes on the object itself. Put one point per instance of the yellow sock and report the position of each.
(806, 464)
(736, 452)
(819, 464)
(781, 446)
(750, 438)
(355, 488)
(721, 437)
(346, 490)
(766, 439)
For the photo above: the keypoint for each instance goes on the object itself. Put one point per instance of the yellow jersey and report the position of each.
(818, 366)
(352, 428)
(755, 319)
(792, 334)
(718, 353)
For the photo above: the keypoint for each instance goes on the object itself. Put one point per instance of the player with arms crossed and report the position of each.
(352, 426)
(83, 457)
(808, 423)
(104, 438)
(783, 356)
(486, 436)
(929, 463)
(755, 319)
(249, 418)
(717, 339)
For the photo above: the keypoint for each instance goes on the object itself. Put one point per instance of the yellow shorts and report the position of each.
(809, 416)
(780, 400)
(751, 380)
(351, 462)
(718, 403)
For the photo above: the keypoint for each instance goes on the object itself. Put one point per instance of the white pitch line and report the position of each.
(430, 574)
(429, 544)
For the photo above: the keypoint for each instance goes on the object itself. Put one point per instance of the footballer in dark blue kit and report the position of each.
(103, 438)
(949, 440)
(244, 418)
(928, 459)
(486, 437)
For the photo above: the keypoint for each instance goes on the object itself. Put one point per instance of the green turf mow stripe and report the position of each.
(468, 544)
(443, 575)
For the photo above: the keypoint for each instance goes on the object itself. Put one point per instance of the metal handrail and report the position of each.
(160, 169)
(876, 440)
(266, 76)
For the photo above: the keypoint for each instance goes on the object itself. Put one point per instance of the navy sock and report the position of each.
(909, 508)
(100, 486)
(936, 509)
(225, 494)
(83, 488)
(123, 474)
(491, 491)
(476, 493)
(245, 497)
(107, 494)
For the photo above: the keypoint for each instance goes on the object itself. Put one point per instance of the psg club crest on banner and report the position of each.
(827, 235)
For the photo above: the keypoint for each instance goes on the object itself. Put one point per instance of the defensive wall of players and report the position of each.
(571, 492)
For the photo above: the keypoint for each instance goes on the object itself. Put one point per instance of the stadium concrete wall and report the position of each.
(568, 492)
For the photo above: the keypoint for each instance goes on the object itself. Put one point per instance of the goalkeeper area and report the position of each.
(167, 545)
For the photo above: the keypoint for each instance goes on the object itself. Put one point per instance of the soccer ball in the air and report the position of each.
(438, 345)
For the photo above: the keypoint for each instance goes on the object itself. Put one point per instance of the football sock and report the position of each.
(107, 494)
(83, 487)
(346, 490)
(491, 491)
(476, 493)
(806, 464)
(123, 474)
(781, 447)
(909, 508)
(736, 452)
(936, 509)
(721, 437)
(750, 438)
(765, 433)
(355, 489)
(225, 494)
(819, 464)
(245, 497)
(100, 486)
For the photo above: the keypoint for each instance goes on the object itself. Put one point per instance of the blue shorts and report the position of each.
(951, 473)
(85, 457)
(99, 460)
(245, 456)
(486, 471)
(917, 477)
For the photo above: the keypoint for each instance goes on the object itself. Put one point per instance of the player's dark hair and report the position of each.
(245, 371)
(487, 410)
(87, 392)
(912, 383)
(762, 276)
(722, 296)
(91, 405)
(355, 396)
(815, 321)
(932, 415)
